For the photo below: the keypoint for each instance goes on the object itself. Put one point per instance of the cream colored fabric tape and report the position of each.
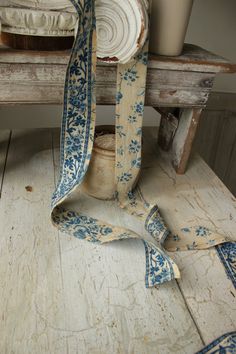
(77, 138)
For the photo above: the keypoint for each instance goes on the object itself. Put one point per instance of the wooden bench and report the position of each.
(181, 85)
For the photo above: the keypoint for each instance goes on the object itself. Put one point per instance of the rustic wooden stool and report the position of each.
(178, 87)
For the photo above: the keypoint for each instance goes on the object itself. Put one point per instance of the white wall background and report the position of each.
(212, 25)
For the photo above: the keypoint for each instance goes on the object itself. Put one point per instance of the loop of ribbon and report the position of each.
(77, 136)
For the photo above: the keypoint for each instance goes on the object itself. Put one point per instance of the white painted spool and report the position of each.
(169, 22)
(122, 26)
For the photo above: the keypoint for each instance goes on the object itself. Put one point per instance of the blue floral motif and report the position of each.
(77, 140)
(139, 107)
(159, 266)
(130, 76)
(132, 199)
(202, 231)
(119, 96)
(119, 164)
(185, 229)
(136, 162)
(227, 254)
(125, 177)
(155, 225)
(139, 131)
(120, 151)
(132, 119)
(176, 238)
(134, 146)
(119, 130)
(192, 246)
(84, 227)
(143, 58)
(225, 344)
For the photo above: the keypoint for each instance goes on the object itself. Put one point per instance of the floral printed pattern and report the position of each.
(160, 267)
(77, 136)
(227, 254)
(226, 344)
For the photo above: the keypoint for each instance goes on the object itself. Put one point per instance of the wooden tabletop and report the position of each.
(59, 294)
(193, 58)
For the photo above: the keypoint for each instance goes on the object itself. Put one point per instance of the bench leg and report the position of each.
(168, 126)
(184, 136)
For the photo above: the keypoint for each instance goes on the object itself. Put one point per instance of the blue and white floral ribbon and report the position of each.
(77, 138)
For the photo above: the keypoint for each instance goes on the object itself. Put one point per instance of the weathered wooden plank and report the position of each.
(30, 83)
(171, 79)
(77, 296)
(31, 286)
(53, 94)
(168, 126)
(67, 295)
(193, 58)
(183, 139)
(110, 302)
(198, 197)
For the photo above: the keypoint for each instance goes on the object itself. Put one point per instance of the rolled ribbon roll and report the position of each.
(122, 26)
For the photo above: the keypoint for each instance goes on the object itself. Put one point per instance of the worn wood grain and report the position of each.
(196, 198)
(59, 294)
(193, 58)
(31, 300)
(44, 83)
(128, 318)
(183, 139)
(168, 126)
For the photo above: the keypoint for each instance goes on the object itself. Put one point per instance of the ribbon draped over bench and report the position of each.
(77, 136)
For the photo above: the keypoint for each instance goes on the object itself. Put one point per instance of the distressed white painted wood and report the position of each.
(137, 320)
(35, 82)
(198, 197)
(32, 299)
(61, 295)
(193, 58)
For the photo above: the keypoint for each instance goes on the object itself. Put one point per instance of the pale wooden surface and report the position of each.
(59, 294)
(193, 58)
